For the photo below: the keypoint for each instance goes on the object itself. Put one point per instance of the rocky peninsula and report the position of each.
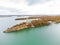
(38, 21)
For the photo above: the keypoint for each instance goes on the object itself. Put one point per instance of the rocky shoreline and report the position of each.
(41, 21)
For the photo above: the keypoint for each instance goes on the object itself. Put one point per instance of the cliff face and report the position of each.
(42, 20)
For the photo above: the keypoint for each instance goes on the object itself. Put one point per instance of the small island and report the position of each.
(38, 21)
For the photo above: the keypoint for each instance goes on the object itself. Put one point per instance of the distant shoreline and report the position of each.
(25, 15)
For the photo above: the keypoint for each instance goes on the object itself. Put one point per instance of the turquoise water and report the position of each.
(44, 35)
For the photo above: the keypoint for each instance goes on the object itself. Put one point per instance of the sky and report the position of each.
(29, 7)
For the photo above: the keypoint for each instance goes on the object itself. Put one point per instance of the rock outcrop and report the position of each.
(41, 21)
(24, 25)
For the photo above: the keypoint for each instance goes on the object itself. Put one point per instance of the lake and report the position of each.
(43, 35)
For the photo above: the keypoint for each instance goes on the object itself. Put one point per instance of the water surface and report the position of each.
(44, 35)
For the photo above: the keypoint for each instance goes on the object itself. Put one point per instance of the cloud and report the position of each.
(36, 7)
(32, 2)
(6, 11)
